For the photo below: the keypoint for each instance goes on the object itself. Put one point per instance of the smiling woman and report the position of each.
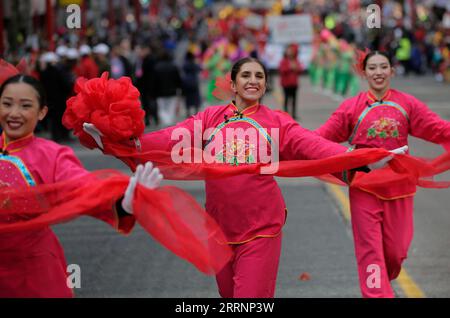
(32, 262)
(248, 82)
(378, 70)
(382, 117)
(22, 105)
(249, 208)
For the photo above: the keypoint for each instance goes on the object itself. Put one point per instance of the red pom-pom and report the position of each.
(113, 106)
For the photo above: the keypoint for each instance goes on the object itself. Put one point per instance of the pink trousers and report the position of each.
(252, 272)
(382, 233)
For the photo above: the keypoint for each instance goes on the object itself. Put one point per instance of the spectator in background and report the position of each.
(144, 76)
(403, 53)
(191, 84)
(417, 58)
(71, 64)
(57, 80)
(120, 65)
(101, 58)
(290, 69)
(61, 52)
(166, 86)
(87, 67)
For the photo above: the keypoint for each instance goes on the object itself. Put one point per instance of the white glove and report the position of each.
(147, 176)
(380, 164)
(94, 132)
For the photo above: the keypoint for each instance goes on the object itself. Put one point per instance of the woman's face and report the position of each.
(378, 73)
(250, 84)
(19, 110)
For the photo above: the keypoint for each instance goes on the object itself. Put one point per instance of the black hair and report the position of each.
(237, 67)
(20, 78)
(189, 56)
(372, 53)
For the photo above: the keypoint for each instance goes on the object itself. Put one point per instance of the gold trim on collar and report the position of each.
(373, 98)
(246, 110)
(6, 145)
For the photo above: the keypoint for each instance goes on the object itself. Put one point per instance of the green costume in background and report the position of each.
(354, 85)
(344, 73)
(217, 66)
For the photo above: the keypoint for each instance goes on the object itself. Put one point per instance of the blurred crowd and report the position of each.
(167, 58)
(419, 43)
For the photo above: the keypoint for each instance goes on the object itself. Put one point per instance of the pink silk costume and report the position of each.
(382, 220)
(367, 123)
(32, 262)
(247, 206)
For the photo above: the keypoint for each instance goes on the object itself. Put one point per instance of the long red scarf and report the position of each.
(169, 215)
(402, 168)
(172, 217)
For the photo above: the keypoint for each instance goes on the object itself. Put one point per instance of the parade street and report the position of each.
(318, 255)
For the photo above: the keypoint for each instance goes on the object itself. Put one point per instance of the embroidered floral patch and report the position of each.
(384, 128)
(236, 152)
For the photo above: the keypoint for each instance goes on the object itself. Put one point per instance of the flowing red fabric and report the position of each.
(403, 173)
(177, 221)
(202, 170)
(168, 214)
(401, 177)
